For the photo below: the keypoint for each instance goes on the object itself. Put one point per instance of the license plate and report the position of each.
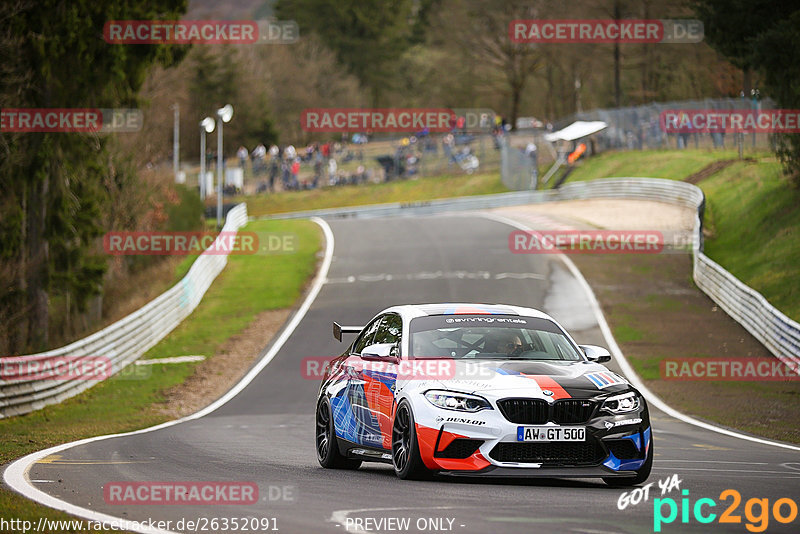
(551, 433)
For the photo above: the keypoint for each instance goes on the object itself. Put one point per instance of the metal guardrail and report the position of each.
(421, 208)
(121, 342)
(641, 188)
(778, 333)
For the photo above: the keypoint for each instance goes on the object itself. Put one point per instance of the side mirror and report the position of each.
(596, 354)
(380, 352)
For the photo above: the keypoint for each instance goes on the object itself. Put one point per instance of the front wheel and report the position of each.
(405, 447)
(328, 453)
(641, 475)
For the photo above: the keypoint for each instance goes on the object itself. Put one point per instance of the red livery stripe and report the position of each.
(546, 382)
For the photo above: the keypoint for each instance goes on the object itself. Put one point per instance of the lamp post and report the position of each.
(176, 135)
(740, 135)
(224, 115)
(756, 95)
(206, 126)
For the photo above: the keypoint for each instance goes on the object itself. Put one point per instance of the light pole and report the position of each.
(740, 135)
(206, 126)
(756, 95)
(176, 135)
(224, 115)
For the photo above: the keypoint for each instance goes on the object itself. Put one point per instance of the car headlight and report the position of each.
(461, 402)
(627, 402)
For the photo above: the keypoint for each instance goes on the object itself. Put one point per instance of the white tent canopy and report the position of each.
(576, 130)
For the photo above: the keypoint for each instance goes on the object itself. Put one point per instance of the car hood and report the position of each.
(533, 378)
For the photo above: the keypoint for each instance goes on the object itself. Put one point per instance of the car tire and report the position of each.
(642, 473)
(405, 447)
(328, 453)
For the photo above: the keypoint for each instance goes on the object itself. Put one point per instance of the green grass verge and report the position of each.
(356, 195)
(755, 224)
(671, 164)
(753, 213)
(248, 285)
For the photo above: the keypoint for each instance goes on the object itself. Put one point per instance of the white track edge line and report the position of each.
(16, 474)
(623, 362)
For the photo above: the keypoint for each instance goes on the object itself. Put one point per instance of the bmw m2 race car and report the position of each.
(479, 390)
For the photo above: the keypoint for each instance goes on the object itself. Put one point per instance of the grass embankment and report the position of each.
(752, 213)
(410, 190)
(755, 230)
(655, 310)
(671, 164)
(250, 284)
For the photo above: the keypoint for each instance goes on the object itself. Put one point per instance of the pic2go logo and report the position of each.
(756, 511)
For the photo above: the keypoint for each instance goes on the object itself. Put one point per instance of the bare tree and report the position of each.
(480, 28)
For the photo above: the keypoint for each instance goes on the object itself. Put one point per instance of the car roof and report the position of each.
(465, 308)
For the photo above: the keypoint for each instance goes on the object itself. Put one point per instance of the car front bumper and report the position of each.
(485, 444)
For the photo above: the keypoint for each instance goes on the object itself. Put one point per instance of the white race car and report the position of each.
(479, 390)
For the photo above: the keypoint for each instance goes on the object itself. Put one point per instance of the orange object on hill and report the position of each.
(578, 153)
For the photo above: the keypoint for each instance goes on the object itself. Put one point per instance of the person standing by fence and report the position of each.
(295, 184)
(533, 154)
(259, 159)
(242, 154)
(318, 162)
(274, 166)
(332, 168)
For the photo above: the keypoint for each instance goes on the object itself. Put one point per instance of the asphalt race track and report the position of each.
(266, 433)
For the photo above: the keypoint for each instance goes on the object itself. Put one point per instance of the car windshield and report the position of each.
(495, 337)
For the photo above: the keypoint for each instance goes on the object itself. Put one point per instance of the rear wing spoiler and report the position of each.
(338, 330)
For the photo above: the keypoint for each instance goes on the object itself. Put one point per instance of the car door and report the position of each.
(380, 389)
(352, 417)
